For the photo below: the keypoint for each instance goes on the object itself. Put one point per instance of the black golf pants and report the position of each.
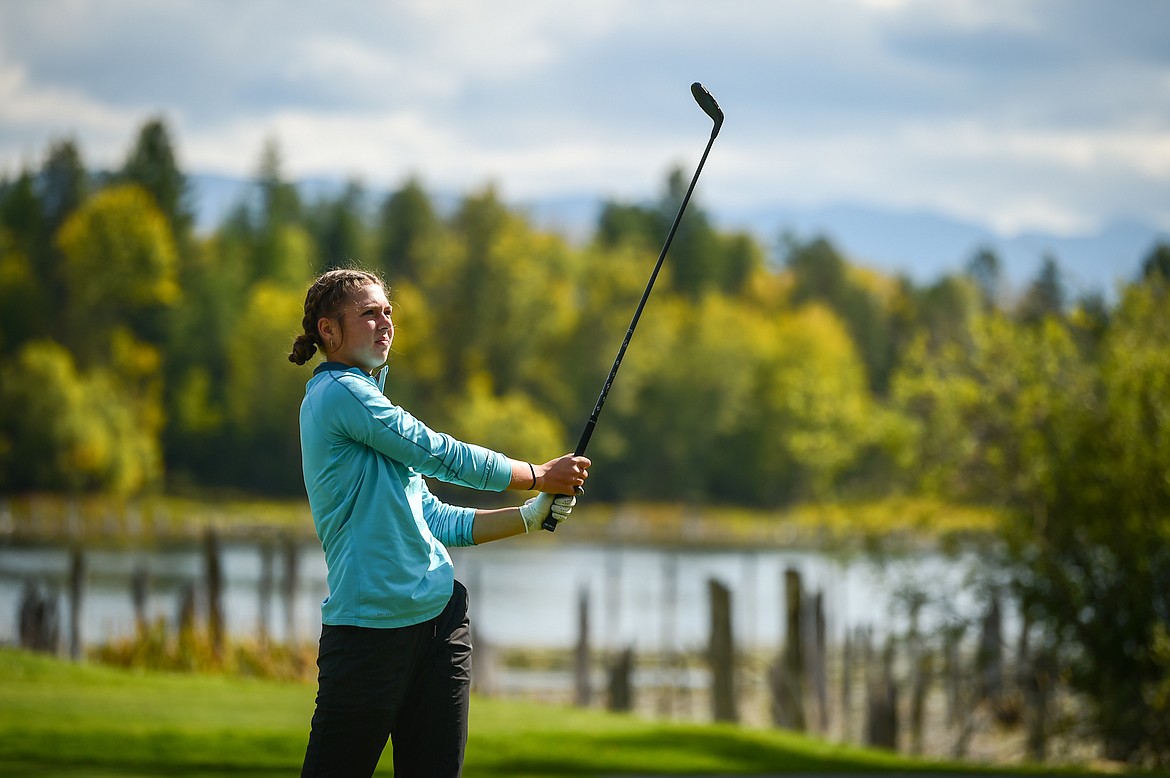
(409, 684)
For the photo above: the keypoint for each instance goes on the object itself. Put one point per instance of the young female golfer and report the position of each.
(395, 657)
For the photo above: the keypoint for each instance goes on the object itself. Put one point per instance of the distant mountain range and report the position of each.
(921, 245)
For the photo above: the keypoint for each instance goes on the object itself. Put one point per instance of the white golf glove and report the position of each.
(535, 510)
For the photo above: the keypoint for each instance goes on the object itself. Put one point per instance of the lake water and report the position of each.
(522, 594)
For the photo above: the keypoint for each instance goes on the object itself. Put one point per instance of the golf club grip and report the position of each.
(549, 522)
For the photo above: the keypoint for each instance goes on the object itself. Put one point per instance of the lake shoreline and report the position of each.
(891, 525)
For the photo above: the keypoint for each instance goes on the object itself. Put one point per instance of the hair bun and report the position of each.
(303, 350)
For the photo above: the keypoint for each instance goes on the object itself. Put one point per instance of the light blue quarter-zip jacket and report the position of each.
(383, 532)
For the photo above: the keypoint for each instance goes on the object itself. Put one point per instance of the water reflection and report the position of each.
(640, 597)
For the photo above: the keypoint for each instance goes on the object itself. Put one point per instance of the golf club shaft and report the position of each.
(587, 433)
(712, 109)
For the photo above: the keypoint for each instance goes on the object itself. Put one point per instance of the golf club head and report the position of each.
(708, 104)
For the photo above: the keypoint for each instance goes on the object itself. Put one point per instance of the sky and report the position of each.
(1019, 115)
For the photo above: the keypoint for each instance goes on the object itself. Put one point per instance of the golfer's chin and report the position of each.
(370, 362)
(378, 356)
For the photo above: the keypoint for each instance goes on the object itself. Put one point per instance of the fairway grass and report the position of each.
(63, 719)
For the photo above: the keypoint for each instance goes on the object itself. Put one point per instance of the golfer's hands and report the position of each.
(563, 475)
(536, 510)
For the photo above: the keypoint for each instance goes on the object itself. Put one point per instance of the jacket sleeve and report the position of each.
(367, 416)
(450, 524)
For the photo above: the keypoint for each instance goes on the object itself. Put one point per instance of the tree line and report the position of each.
(143, 356)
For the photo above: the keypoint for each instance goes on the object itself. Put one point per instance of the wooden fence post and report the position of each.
(214, 573)
(668, 658)
(722, 653)
(787, 675)
(76, 595)
(882, 709)
(140, 595)
(952, 673)
(847, 659)
(923, 669)
(583, 684)
(1037, 692)
(264, 587)
(621, 683)
(39, 622)
(989, 657)
(819, 661)
(187, 622)
(291, 585)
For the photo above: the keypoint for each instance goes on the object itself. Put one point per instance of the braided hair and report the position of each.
(327, 297)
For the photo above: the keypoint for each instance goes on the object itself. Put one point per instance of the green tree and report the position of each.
(991, 413)
(620, 224)
(408, 229)
(22, 298)
(501, 297)
(1157, 262)
(693, 264)
(151, 164)
(699, 260)
(815, 402)
(821, 274)
(1089, 320)
(986, 270)
(1093, 551)
(263, 392)
(819, 271)
(215, 288)
(720, 401)
(66, 430)
(32, 209)
(273, 225)
(63, 184)
(1045, 296)
(119, 269)
(944, 311)
(511, 423)
(739, 259)
(611, 282)
(338, 228)
(22, 217)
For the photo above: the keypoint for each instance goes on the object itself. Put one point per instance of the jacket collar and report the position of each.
(378, 378)
(325, 367)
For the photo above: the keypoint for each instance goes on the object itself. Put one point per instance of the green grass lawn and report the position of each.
(64, 719)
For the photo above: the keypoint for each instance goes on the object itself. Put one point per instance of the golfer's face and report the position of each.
(368, 330)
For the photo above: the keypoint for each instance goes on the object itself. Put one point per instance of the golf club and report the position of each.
(711, 108)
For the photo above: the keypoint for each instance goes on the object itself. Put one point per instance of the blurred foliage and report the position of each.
(1093, 540)
(61, 429)
(155, 646)
(147, 358)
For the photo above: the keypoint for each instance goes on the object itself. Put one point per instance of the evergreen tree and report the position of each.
(151, 164)
(408, 230)
(985, 269)
(1045, 296)
(1157, 262)
(63, 184)
(338, 228)
(26, 278)
(22, 217)
(267, 226)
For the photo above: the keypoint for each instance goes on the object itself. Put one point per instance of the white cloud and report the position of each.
(32, 118)
(998, 111)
